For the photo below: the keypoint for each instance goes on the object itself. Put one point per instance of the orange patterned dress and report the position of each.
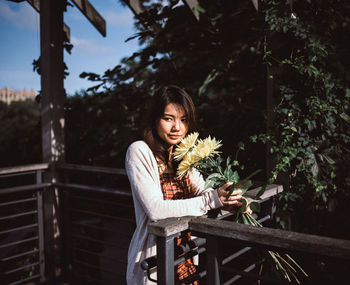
(174, 188)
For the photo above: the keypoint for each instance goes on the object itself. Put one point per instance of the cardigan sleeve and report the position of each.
(146, 189)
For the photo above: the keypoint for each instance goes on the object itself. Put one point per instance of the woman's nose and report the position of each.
(176, 125)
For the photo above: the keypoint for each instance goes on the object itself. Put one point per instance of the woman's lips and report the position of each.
(174, 137)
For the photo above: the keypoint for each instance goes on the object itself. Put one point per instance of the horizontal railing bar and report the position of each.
(25, 280)
(237, 277)
(23, 168)
(20, 268)
(75, 196)
(18, 215)
(189, 254)
(100, 255)
(100, 228)
(99, 268)
(276, 238)
(236, 254)
(252, 275)
(111, 191)
(18, 242)
(102, 215)
(264, 219)
(20, 255)
(94, 240)
(89, 168)
(19, 228)
(25, 188)
(18, 201)
(193, 243)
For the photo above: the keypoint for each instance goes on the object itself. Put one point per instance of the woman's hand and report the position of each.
(234, 197)
(232, 204)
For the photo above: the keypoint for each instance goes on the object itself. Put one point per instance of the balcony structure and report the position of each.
(94, 223)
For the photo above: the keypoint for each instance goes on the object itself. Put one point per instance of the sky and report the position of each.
(20, 43)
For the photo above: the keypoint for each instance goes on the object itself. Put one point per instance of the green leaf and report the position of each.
(243, 185)
(211, 76)
(243, 208)
(245, 220)
(314, 169)
(251, 175)
(261, 191)
(230, 189)
(255, 207)
(345, 117)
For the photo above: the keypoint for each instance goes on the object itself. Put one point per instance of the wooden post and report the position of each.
(165, 260)
(213, 261)
(52, 120)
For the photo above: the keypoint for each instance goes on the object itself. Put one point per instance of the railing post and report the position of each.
(213, 261)
(66, 235)
(165, 260)
(41, 244)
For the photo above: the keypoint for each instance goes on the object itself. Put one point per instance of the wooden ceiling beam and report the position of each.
(92, 15)
(135, 5)
(36, 5)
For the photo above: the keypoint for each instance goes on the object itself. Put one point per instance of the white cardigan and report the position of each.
(142, 170)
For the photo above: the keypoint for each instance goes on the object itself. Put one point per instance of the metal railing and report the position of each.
(22, 255)
(98, 223)
(95, 224)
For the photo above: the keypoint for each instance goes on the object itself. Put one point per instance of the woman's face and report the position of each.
(173, 125)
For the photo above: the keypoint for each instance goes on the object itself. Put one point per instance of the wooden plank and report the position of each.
(88, 188)
(36, 5)
(91, 168)
(168, 227)
(268, 237)
(271, 190)
(23, 168)
(135, 6)
(92, 15)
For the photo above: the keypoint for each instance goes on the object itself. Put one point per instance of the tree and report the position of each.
(20, 133)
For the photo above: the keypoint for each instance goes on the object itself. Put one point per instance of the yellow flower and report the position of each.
(183, 167)
(207, 147)
(185, 146)
(202, 150)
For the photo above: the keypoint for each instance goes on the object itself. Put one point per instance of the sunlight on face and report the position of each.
(173, 125)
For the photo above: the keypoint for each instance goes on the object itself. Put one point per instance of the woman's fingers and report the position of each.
(235, 203)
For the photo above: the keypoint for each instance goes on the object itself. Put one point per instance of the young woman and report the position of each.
(156, 190)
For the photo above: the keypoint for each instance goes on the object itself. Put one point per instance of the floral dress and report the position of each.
(174, 188)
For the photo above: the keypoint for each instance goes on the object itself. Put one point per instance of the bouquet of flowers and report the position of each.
(203, 155)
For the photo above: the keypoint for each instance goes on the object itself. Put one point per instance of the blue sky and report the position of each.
(20, 43)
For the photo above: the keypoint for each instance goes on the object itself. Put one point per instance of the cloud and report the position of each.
(121, 18)
(25, 17)
(90, 47)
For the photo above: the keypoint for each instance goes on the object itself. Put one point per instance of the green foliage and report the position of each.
(223, 73)
(20, 133)
(311, 136)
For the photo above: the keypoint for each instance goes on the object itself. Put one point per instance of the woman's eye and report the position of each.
(167, 119)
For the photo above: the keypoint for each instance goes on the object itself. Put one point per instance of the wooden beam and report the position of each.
(135, 5)
(36, 5)
(52, 122)
(92, 15)
(272, 238)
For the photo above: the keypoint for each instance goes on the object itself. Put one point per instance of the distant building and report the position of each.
(8, 95)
